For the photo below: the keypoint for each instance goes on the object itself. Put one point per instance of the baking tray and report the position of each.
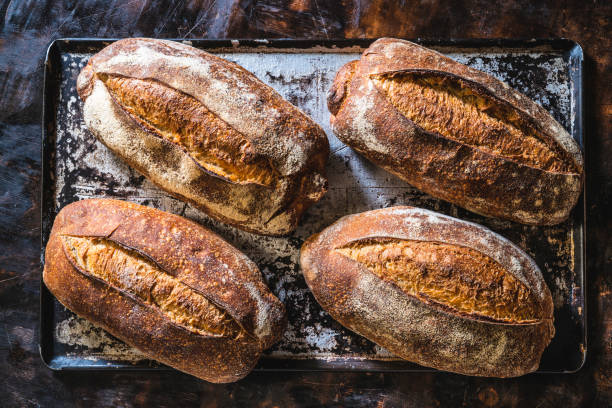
(76, 166)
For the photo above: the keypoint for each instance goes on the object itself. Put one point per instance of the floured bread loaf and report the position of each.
(432, 289)
(163, 284)
(456, 133)
(207, 131)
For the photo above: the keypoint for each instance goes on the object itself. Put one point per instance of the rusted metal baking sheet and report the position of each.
(76, 166)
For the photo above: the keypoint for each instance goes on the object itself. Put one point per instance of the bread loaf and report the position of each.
(164, 285)
(207, 131)
(456, 133)
(432, 289)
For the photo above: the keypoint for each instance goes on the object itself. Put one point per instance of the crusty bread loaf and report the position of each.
(456, 133)
(163, 284)
(207, 131)
(432, 289)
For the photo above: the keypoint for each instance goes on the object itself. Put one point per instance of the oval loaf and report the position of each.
(164, 285)
(207, 131)
(432, 289)
(456, 133)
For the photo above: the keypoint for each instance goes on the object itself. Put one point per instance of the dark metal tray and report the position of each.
(76, 166)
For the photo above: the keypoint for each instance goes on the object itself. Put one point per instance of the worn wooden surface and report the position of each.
(28, 26)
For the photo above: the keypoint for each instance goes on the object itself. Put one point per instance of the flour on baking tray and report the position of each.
(86, 169)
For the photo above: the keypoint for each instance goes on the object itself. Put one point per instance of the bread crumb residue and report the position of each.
(323, 338)
(76, 331)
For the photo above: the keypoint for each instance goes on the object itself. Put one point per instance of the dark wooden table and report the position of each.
(28, 26)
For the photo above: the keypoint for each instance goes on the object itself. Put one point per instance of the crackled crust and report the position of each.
(456, 133)
(207, 131)
(460, 279)
(415, 327)
(459, 110)
(220, 343)
(182, 120)
(130, 273)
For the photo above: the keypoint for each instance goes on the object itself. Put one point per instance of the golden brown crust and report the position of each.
(207, 131)
(182, 120)
(462, 111)
(460, 279)
(417, 326)
(458, 134)
(135, 276)
(164, 285)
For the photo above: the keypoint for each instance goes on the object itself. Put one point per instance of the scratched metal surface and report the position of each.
(77, 166)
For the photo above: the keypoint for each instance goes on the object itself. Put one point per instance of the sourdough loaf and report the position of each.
(207, 131)
(432, 289)
(164, 285)
(456, 133)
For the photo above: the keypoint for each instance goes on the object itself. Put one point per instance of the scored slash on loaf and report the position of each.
(207, 131)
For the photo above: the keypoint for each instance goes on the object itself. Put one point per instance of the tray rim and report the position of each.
(575, 56)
